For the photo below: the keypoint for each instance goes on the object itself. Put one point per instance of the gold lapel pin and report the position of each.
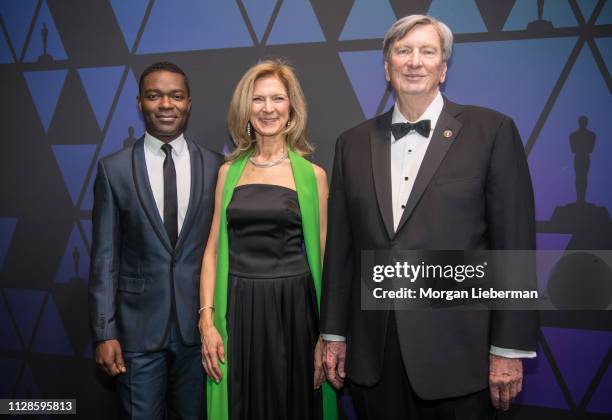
(447, 134)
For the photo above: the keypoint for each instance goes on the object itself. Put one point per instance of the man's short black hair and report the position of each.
(163, 66)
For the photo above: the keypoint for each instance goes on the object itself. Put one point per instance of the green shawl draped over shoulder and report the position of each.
(308, 198)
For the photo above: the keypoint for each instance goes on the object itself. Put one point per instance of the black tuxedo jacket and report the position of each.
(138, 282)
(473, 191)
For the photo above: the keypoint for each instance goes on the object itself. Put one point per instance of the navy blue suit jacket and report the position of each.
(138, 282)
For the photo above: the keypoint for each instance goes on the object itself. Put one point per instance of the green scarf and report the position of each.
(308, 198)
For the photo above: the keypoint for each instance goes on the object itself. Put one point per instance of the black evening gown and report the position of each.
(272, 319)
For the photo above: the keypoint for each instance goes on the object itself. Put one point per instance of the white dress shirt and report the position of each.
(154, 160)
(407, 154)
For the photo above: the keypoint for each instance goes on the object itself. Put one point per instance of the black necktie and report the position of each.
(422, 127)
(170, 200)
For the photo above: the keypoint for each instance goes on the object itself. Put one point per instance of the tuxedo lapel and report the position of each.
(446, 130)
(380, 144)
(145, 194)
(197, 178)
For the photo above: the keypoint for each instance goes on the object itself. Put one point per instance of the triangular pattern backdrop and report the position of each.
(541, 387)
(570, 347)
(205, 25)
(45, 43)
(367, 78)
(368, 19)
(129, 16)
(6, 56)
(72, 73)
(462, 16)
(45, 88)
(101, 83)
(260, 13)
(17, 18)
(289, 30)
(529, 68)
(584, 94)
(559, 13)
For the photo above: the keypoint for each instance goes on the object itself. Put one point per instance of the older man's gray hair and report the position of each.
(401, 27)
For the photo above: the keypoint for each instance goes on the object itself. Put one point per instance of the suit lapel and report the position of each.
(440, 142)
(380, 144)
(145, 194)
(197, 177)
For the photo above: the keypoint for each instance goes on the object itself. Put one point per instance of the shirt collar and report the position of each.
(432, 113)
(179, 144)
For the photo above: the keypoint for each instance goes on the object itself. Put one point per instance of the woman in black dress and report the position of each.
(261, 271)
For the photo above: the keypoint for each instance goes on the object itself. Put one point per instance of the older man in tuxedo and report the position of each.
(153, 205)
(427, 175)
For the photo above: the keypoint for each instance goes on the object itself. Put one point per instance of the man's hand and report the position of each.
(505, 380)
(109, 357)
(334, 355)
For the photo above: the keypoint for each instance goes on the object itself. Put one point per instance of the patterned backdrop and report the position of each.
(69, 79)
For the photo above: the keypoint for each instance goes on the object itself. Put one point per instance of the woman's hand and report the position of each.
(212, 350)
(319, 373)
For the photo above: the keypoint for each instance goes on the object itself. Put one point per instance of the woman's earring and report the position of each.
(248, 130)
(288, 123)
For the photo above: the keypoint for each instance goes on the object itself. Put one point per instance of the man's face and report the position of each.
(415, 66)
(165, 104)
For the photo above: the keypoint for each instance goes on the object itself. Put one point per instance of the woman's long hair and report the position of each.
(239, 112)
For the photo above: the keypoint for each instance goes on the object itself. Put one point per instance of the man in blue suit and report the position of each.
(153, 204)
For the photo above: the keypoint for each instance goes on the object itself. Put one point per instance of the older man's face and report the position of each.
(415, 66)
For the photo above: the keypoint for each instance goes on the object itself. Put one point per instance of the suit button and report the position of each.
(403, 207)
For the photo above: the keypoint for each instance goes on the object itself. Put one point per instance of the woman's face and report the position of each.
(270, 106)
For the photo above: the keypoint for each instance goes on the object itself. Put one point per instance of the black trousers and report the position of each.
(393, 397)
(168, 383)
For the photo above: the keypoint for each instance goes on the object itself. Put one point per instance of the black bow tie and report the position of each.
(422, 127)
